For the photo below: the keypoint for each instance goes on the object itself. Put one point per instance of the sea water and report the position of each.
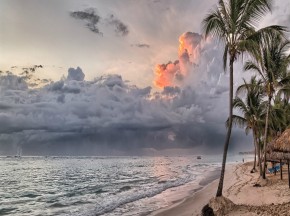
(100, 185)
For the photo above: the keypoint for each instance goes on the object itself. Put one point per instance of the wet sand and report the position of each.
(273, 198)
(194, 203)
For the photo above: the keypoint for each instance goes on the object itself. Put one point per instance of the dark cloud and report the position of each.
(92, 19)
(75, 116)
(61, 98)
(56, 86)
(141, 45)
(107, 116)
(106, 113)
(169, 90)
(75, 74)
(141, 92)
(13, 82)
(120, 28)
(62, 87)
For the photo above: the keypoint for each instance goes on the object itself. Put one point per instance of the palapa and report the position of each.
(279, 149)
(282, 143)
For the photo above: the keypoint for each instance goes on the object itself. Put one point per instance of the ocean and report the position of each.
(38, 186)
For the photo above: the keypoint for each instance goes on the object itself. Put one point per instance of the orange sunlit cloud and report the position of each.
(172, 74)
(165, 74)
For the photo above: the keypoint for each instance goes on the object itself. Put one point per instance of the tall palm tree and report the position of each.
(233, 23)
(271, 65)
(251, 109)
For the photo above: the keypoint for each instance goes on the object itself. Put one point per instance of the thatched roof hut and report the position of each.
(282, 144)
(279, 149)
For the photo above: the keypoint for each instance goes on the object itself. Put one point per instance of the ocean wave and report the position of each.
(131, 196)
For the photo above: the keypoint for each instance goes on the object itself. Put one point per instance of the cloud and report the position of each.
(190, 44)
(48, 33)
(76, 116)
(166, 74)
(92, 19)
(12, 82)
(169, 90)
(106, 112)
(120, 28)
(141, 45)
(192, 61)
(75, 74)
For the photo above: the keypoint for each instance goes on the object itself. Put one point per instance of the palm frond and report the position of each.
(250, 65)
(213, 24)
(254, 11)
(238, 121)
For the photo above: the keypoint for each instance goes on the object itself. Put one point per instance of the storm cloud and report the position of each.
(89, 112)
(104, 111)
(103, 116)
(107, 115)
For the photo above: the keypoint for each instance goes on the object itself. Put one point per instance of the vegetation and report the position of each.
(271, 65)
(233, 22)
(252, 109)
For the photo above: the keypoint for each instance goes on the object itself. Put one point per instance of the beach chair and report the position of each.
(272, 170)
(277, 168)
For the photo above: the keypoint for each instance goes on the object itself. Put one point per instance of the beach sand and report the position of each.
(273, 198)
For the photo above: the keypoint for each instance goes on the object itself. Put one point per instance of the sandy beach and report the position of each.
(273, 198)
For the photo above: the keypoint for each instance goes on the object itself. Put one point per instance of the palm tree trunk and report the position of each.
(255, 145)
(226, 146)
(259, 155)
(256, 150)
(266, 135)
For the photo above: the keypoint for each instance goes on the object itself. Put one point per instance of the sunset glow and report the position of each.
(165, 74)
(173, 74)
(119, 107)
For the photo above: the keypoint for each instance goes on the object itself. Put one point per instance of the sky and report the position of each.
(114, 77)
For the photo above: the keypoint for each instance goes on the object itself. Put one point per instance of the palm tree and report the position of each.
(271, 64)
(251, 109)
(278, 117)
(282, 101)
(233, 23)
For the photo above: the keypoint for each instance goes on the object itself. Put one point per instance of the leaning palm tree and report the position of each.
(233, 23)
(271, 65)
(251, 110)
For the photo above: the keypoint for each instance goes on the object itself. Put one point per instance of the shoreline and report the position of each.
(272, 198)
(192, 204)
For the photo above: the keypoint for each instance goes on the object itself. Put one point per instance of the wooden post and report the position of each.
(281, 171)
(288, 174)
